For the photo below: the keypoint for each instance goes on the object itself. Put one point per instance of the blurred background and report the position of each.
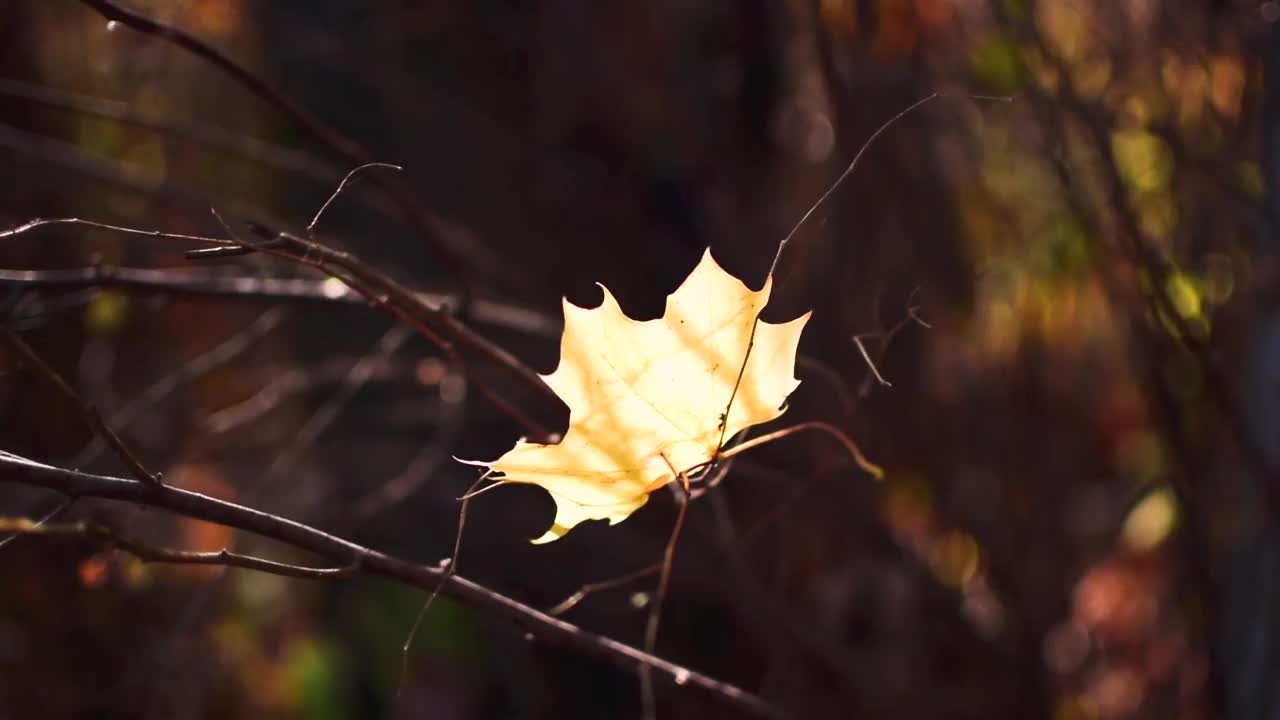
(1069, 297)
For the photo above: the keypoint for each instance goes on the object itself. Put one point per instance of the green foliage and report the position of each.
(997, 64)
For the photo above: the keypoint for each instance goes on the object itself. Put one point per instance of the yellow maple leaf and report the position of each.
(647, 398)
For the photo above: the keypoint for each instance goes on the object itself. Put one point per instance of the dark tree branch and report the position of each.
(16, 469)
(459, 253)
(179, 281)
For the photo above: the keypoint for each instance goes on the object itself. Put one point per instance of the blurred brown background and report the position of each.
(1079, 514)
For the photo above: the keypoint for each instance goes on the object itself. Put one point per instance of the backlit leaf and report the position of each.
(646, 399)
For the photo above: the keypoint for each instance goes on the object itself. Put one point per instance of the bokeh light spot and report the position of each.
(1151, 520)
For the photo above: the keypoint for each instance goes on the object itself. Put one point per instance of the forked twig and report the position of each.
(885, 339)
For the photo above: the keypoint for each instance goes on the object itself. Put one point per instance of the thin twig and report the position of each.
(41, 222)
(886, 339)
(450, 567)
(869, 467)
(150, 553)
(857, 340)
(16, 469)
(90, 413)
(63, 505)
(786, 240)
(848, 170)
(648, 699)
(311, 226)
(581, 593)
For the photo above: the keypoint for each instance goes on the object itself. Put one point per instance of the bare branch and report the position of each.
(16, 469)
